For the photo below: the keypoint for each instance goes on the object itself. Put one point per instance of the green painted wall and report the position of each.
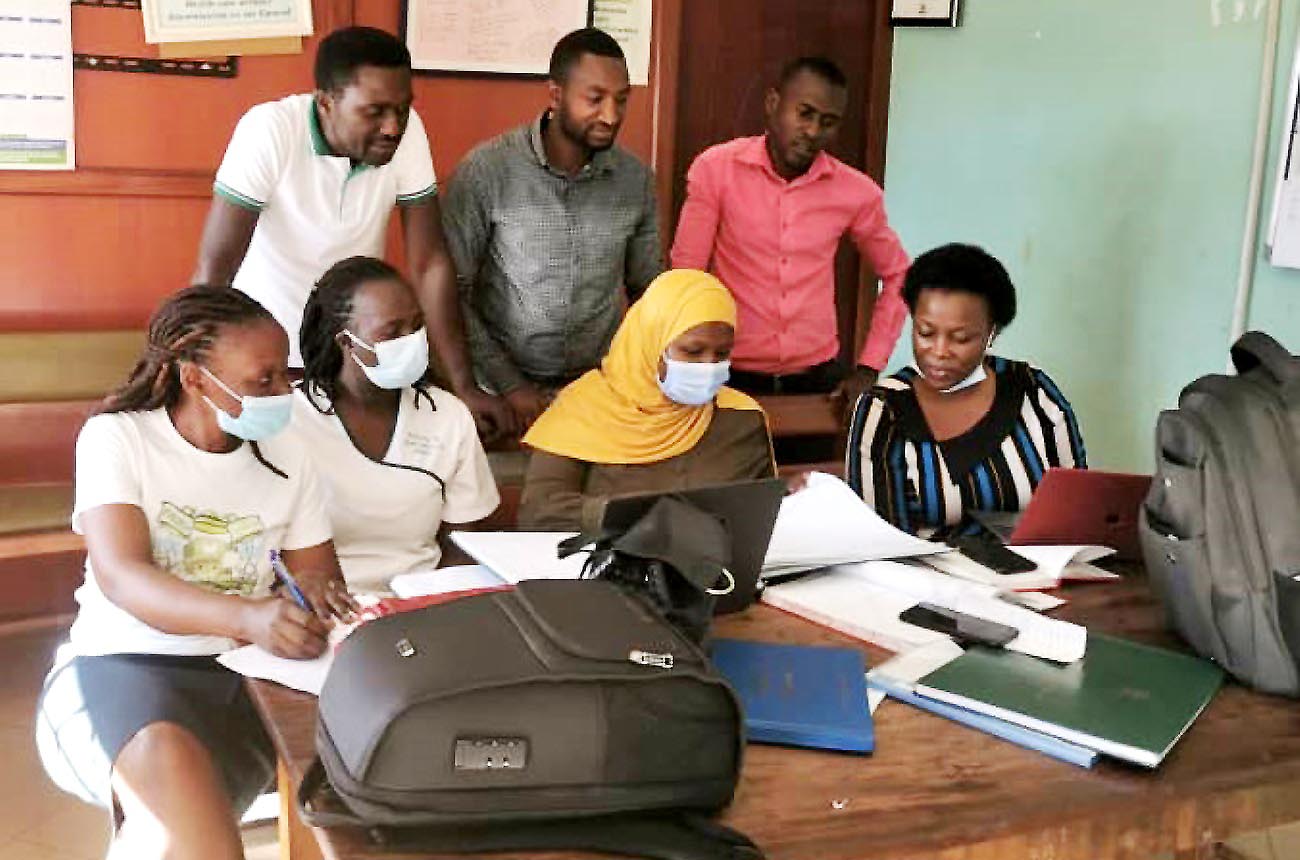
(1101, 150)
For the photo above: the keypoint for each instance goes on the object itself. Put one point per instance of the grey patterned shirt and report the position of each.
(542, 258)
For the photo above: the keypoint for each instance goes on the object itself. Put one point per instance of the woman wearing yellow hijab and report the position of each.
(654, 416)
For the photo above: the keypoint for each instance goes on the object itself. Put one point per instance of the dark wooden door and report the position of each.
(731, 52)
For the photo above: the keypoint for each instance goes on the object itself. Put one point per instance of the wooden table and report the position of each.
(937, 790)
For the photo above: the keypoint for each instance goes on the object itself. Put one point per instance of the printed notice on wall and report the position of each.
(502, 36)
(207, 20)
(36, 113)
(629, 22)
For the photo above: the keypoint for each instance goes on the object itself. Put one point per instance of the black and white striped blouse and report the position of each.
(924, 486)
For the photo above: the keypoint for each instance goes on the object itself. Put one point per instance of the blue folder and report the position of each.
(799, 695)
(1025, 737)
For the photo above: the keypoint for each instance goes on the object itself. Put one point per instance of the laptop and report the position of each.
(748, 510)
(1076, 506)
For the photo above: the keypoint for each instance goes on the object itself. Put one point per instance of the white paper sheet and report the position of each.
(629, 22)
(305, 675)
(911, 666)
(1055, 565)
(827, 523)
(1034, 600)
(445, 580)
(853, 607)
(864, 600)
(516, 556)
(36, 109)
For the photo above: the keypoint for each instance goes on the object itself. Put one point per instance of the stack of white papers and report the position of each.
(1056, 564)
(444, 580)
(516, 556)
(827, 523)
(864, 600)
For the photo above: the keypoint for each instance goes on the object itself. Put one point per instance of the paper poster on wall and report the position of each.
(629, 22)
(497, 36)
(36, 114)
(1283, 237)
(205, 20)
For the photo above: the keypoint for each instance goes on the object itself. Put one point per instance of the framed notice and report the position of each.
(511, 37)
(208, 20)
(924, 13)
(36, 111)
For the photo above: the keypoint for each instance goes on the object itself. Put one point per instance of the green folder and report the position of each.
(1126, 700)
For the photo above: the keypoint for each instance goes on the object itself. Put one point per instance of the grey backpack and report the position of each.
(558, 714)
(1220, 528)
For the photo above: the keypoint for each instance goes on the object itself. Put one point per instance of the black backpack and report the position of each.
(558, 714)
(1220, 527)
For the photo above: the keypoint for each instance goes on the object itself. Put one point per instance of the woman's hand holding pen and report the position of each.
(283, 628)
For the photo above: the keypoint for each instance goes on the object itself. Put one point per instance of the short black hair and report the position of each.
(822, 67)
(963, 269)
(570, 50)
(344, 51)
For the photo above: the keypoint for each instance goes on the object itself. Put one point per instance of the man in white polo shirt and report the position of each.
(312, 179)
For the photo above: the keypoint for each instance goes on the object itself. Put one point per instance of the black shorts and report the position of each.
(91, 707)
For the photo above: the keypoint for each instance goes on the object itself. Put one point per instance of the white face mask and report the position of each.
(402, 360)
(977, 376)
(693, 383)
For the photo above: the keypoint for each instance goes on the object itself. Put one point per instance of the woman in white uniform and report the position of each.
(398, 456)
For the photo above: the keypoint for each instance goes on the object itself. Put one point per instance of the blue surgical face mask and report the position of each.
(403, 361)
(259, 417)
(693, 383)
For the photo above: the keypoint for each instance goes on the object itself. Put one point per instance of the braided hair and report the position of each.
(326, 315)
(184, 328)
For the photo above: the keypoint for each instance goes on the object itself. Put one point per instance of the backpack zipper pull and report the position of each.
(649, 658)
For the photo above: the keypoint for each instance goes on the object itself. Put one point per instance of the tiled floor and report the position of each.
(38, 822)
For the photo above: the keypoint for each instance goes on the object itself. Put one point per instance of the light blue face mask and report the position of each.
(693, 383)
(259, 417)
(402, 360)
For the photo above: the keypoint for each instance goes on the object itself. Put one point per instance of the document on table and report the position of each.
(444, 580)
(826, 523)
(252, 661)
(1055, 565)
(516, 556)
(865, 599)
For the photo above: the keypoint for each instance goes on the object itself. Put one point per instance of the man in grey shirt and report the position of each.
(547, 224)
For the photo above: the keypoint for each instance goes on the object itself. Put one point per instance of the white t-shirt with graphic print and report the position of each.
(213, 519)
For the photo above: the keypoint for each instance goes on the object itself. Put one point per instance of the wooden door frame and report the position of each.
(666, 64)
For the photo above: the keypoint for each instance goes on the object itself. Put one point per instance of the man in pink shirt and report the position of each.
(766, 215)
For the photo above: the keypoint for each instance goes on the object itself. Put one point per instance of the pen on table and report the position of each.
(286, 579)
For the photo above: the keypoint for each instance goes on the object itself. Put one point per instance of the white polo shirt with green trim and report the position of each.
(315, 208)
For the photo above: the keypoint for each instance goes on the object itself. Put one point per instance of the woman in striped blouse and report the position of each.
(963, 430)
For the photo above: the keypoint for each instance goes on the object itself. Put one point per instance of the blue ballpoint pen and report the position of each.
(286, 579)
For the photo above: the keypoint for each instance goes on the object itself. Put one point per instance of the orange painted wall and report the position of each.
(98, 248)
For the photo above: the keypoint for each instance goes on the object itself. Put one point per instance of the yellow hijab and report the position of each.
(616, 413)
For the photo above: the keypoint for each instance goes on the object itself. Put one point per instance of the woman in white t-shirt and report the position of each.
(180, 508)
(398, 457)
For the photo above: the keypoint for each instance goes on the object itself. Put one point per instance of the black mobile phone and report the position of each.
(991, 554)
(966, 629)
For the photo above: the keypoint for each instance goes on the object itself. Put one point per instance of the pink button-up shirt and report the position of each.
(773, 244)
